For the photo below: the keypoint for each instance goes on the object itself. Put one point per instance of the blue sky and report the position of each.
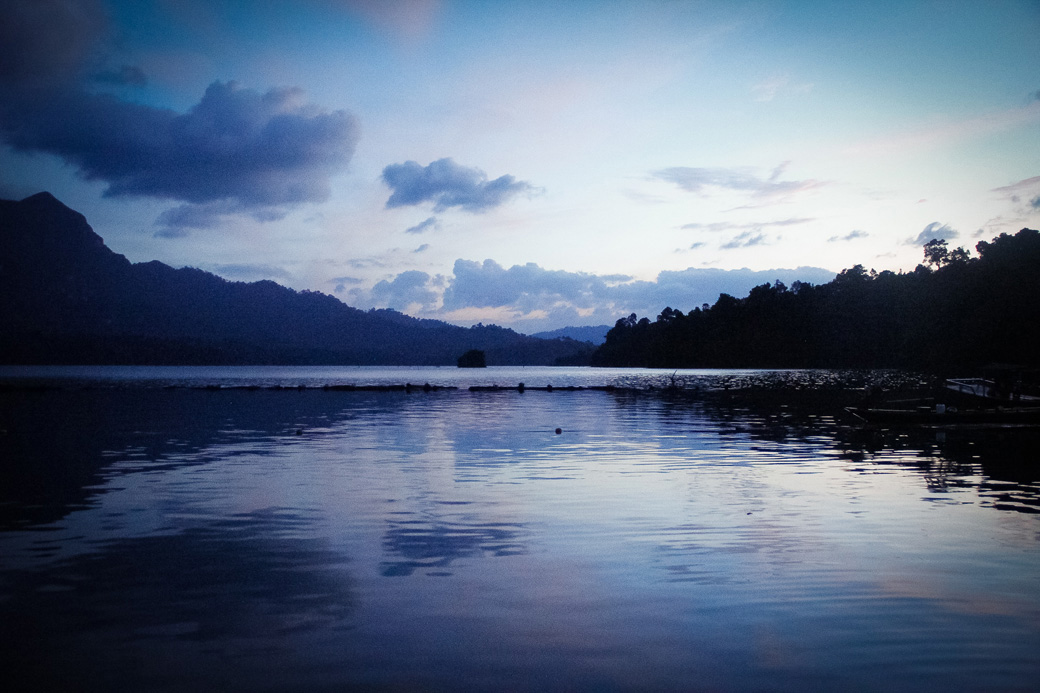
(528, 164)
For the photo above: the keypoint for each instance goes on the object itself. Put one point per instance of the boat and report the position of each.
(986, 389)
(941, 415)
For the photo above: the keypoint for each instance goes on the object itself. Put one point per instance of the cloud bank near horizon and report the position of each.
(531, 298)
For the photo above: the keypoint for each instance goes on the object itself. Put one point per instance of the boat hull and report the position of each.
(998, 416)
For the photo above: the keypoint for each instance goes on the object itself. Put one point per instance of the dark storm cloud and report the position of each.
(48, 42)
(235, 144)
(251, 152)
(702, 180)
(447, 185)
(931, 232)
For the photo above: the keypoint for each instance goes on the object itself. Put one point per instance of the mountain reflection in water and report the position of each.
(718, 538)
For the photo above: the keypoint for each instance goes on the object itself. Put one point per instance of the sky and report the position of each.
(527, 164)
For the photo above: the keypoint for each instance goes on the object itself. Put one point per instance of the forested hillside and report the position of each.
(953, 311)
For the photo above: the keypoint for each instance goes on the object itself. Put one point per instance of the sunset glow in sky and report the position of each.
(530, 164)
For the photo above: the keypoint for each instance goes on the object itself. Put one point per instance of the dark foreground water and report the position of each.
(741, 534)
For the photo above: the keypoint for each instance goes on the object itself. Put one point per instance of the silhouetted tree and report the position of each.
(963, 313)
(936, 253)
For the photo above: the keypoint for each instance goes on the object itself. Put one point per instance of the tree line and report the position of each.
(954, 311)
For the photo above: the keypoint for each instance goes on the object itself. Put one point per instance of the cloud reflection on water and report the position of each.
(126, 611)
(660, 537)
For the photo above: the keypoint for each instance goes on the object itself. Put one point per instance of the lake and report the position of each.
(247, 529)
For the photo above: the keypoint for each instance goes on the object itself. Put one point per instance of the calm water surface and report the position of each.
(734, 536)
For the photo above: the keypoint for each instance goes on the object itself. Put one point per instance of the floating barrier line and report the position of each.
(345, 387)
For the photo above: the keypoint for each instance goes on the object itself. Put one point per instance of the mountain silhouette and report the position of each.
(65, 297)
(597, 334)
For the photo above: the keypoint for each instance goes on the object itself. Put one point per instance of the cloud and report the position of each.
(429, 224)
(44, 43)
(1028, 189)
(747, 239)
(1016, 189)
(249, 272)
(255, 153)
(531, 298)
(851, 236)
(689, 288)
(176, 222)
(523, 287)
(341, 283)
(422, 249)
(931, 232)
(731, 226)
(366, 262)
(744, 180)
(405, 290)
(448, 184)
(257, 150)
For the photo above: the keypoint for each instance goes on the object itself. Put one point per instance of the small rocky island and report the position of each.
(474, 358)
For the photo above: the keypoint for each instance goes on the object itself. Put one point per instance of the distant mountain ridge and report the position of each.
(65, 297)
(596, 334)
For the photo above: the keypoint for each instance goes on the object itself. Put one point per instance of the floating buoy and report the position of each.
(559, 431)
